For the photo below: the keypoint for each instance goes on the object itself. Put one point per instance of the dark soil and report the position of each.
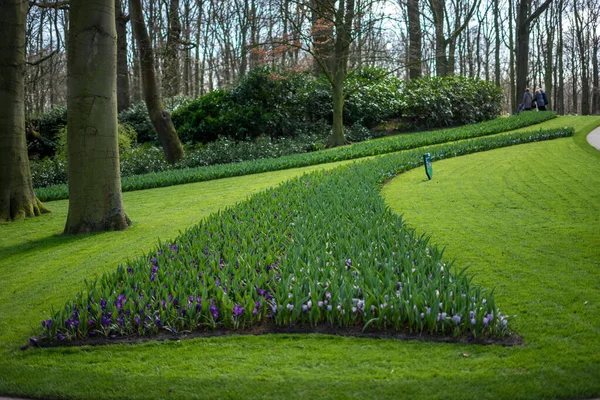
(270, 328)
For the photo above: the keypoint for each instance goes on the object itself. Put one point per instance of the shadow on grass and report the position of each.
(44, 243)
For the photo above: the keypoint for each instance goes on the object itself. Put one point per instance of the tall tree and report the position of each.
(123, 97)
(415, 55)
(161, 120)
(444, 59)
(95, 201)
(171, 78)
(322, 35)
(581, 27)
(17, 198)
(524, 20)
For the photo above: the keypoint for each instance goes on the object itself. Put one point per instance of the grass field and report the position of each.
(494, 205)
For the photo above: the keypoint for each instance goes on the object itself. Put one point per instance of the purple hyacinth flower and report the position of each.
(290, 307)
(60, 336)
(456, 319)
(237, 310)
(214, 311)
(473, 321)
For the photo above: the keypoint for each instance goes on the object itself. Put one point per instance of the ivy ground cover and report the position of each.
(291, 366)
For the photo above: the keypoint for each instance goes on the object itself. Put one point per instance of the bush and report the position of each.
(264, 103)
(48, 171)
(359, 150)
(48, 125)
(126, 136)
(203, 120)
(373, 97)
(137, 117)
(434, 102)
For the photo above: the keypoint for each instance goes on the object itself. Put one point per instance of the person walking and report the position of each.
(527, 100)
(541, 99)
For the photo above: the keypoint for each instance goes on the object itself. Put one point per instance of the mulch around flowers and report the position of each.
(270, 328)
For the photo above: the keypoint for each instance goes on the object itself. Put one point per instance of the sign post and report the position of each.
(427, 162)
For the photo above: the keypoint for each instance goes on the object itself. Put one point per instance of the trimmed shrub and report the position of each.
(433, 102)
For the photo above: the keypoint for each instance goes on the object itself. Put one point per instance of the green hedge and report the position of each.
(434, 102)
(363, 149)
(319, 249)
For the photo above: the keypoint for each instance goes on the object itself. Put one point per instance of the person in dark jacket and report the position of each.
(541, 99)
(527, 100)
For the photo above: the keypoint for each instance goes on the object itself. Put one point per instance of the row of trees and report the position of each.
(95, 202)
(201, 45)
(221, 40)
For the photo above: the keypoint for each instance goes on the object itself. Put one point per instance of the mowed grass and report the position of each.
(526, 220)
(560, 359)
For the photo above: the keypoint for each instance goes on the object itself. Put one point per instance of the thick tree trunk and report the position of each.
(158, 115)
(337, 137)
(95, 202)
(415, 54)
(17, 199)
(123, 98)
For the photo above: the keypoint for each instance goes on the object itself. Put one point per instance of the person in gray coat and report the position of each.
(527, 100)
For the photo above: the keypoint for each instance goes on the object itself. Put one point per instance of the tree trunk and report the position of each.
(343, 21)
(415, 54)
(596, 78)
(524, 21)
(95, 202)
(17, 198)
(158, 115)
(171, 77)
(549, 68)
(322, 36)
(123, 99)
(560, 91)
(582, 46)
(441, 61)
(497, 72)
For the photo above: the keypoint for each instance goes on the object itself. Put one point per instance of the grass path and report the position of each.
(41, 269)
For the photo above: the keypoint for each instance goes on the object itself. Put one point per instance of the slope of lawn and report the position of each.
(41, 270)
(527, 221)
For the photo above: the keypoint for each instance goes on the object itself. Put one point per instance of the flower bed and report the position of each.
(320, 249)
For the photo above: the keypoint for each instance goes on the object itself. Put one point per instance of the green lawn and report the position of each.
(545, 281)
